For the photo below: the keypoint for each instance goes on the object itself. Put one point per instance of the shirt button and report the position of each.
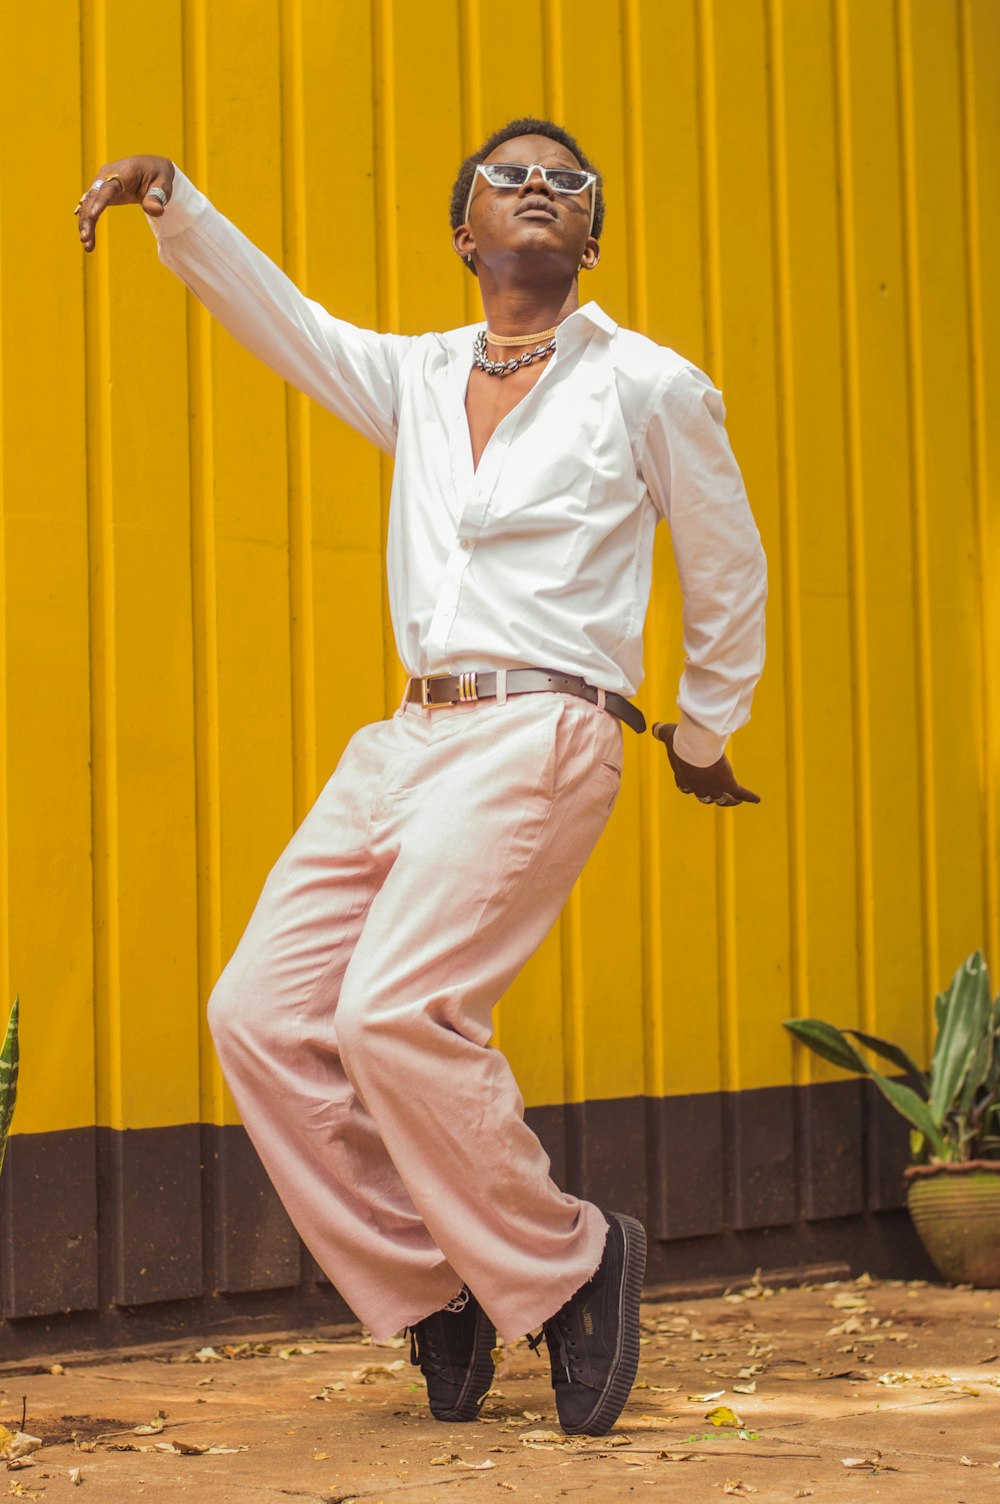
(464, 545)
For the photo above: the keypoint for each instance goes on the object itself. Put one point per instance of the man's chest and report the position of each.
(491, 399)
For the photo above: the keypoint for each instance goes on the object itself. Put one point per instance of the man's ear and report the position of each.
(591, 255)
(463, 243)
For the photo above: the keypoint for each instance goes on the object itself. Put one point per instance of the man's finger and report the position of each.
(156, 197)
(93, 205)
(745, 796)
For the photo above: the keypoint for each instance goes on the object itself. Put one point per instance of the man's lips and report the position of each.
(536, 205)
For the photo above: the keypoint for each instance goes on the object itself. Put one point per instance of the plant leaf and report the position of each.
(965, 1019)
(827, 1041)
(9, 1063)
(913, 1108)
(892, 1052)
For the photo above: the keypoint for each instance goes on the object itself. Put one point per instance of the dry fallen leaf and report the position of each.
(723, 1416)
(706, 1399)
(737, 1486)
(17, 1444)
(156, 1424)
(370, 1373)
(188, 1448)
(848, 1302)
(444, 1459)
(873, 1463)
(542, 1438)
(802, 1493)
(531, 1415)
(75, 1476)
(207, 1355)
(847, 1328)
(750, 1388)
(477, 1467)
(321, 1456)
(56, 1368)
(21, 1492)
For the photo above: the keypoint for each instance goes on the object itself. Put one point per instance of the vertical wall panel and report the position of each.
(48, 1252)
(885, 751)
(802, 199)
(980, 45)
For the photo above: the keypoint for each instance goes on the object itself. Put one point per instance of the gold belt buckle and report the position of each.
(425, 702)
(468, 690)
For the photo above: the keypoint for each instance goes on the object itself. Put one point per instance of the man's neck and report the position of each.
(527, 310)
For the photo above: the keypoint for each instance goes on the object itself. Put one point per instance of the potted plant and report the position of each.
(8, 1079)
(953, 1108)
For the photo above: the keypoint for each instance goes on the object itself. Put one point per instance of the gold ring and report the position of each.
(113, 177)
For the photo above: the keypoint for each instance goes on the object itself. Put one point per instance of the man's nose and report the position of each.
(535, 183)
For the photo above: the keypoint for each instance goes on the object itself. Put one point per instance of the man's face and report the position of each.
(532, 218)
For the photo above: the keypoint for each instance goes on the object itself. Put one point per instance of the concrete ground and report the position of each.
(844, 1391)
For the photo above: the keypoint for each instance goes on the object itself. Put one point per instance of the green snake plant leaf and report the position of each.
(940, 1005)
(977, 1077)
(829, 1042)
(826, 1040)
(8, 1079)
(914, 1109)
(964, 1019)
(891, 1052)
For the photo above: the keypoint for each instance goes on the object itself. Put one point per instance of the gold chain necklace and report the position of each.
(510, 340)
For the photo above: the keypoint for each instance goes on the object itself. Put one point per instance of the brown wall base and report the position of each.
(126, 1237)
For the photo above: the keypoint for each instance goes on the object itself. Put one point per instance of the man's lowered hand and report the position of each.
(712, 785)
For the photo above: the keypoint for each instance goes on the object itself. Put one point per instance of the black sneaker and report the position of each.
(593, 1340)
(454, 1350)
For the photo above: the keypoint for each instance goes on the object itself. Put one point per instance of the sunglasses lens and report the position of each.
(505, 174)
(564, 180)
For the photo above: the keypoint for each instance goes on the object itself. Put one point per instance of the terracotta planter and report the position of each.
(956, 1211)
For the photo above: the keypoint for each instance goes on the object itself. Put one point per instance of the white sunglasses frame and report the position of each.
(591, 183)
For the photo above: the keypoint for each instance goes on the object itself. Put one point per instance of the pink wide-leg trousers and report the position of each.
(353, 1021)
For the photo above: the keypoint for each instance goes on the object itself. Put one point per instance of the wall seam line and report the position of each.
(918, 509)
(854, 482)
(980, 491)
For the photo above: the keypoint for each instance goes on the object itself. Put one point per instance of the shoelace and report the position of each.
(564, 1346)
(428, 1348)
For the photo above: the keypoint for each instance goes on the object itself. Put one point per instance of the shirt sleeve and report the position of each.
(353, 372)
(692, 476)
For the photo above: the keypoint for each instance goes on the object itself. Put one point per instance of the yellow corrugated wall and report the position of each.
(803, 198)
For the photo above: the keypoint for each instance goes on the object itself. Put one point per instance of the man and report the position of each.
(534, 457)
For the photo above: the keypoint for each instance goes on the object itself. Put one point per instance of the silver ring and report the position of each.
(159, 194)
(723, 799)
(705, 799)
(97, 183)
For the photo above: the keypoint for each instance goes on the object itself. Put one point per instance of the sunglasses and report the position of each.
(515, 175)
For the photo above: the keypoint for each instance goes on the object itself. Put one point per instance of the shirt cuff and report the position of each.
(186, 204)
(697, 745)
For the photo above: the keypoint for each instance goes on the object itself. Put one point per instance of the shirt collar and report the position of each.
(595, 313)
(573, 329)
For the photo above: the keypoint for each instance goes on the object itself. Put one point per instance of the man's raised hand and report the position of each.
(712, 785)
(133, 180)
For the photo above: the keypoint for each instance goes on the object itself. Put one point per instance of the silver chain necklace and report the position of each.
(504, 367)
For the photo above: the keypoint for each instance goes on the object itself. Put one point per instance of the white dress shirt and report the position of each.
(541, 556)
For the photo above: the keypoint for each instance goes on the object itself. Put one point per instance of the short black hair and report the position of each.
(528, 125)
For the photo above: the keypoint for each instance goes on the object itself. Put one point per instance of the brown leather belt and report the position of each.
(463, 689)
